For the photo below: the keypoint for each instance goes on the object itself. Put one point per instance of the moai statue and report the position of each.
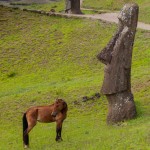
(68, 6)
(117, 57)
(73, 7)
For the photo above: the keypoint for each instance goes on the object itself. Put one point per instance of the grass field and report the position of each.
(58, 6)
(42, 58)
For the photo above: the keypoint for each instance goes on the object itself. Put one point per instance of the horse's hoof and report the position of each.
(59, 140)
(26, 146)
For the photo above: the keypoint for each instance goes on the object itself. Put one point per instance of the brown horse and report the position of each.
(57, 112)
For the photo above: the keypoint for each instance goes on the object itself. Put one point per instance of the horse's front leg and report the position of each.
(58, 130)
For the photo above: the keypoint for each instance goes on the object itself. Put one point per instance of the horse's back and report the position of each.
(44, 114)
(32, 113)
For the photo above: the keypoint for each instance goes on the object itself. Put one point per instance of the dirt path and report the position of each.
(112, 17)
(108, 17)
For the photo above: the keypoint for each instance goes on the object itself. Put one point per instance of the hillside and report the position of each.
(42, 58)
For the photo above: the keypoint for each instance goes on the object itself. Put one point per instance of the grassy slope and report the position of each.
(118, 4)
(46, 57)
(59, 6)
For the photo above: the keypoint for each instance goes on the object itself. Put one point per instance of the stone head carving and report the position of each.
(117, 55)
(129, 16)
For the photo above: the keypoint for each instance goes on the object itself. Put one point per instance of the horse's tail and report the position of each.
(25, 126)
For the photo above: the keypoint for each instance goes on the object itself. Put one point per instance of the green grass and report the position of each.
(58, 6)
(144, 6)
(43, 58)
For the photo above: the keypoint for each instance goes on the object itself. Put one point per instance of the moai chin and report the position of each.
(117, 57)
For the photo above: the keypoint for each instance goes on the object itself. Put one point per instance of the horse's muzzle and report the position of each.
(54, 114)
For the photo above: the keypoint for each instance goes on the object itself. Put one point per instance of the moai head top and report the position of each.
(129, 16)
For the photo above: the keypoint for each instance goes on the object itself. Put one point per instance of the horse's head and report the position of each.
(59, 106)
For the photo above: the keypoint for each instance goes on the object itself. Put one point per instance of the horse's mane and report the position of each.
(65, 109)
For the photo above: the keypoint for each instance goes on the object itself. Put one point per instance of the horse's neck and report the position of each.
(64, 110)
(51, 105)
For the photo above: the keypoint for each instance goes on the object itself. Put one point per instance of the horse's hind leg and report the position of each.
(31, 123)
